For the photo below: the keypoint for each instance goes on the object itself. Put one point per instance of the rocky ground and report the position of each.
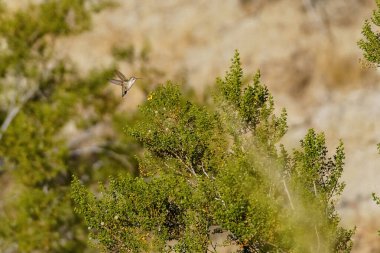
(308, 57)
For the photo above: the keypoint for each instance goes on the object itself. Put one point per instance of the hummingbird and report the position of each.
(126, 84)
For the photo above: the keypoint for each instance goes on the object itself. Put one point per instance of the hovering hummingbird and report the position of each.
(126, 84)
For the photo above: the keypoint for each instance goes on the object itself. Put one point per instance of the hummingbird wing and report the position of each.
(120, 75)
(124, 90)
(117, 82)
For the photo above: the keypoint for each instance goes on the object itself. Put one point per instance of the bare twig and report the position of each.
(288, 194)
(181, 174)
(14, 111)
(189, 168)
(203, 169)
(315, 189)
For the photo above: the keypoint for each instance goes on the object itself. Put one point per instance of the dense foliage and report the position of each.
(370, 44)
(41, 96)
(218, 170)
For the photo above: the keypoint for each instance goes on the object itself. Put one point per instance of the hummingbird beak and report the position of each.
(138, 77)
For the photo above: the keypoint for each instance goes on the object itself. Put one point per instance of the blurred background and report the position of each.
(307, 53)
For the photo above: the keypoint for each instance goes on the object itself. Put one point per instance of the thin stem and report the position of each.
(315, 189)
(203, 169)
(192, 171)
(14, 111)
(288, 194)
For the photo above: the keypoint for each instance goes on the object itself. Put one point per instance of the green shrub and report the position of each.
(370, 44)
(218, 169)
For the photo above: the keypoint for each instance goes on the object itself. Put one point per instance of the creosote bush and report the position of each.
(219, 169)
